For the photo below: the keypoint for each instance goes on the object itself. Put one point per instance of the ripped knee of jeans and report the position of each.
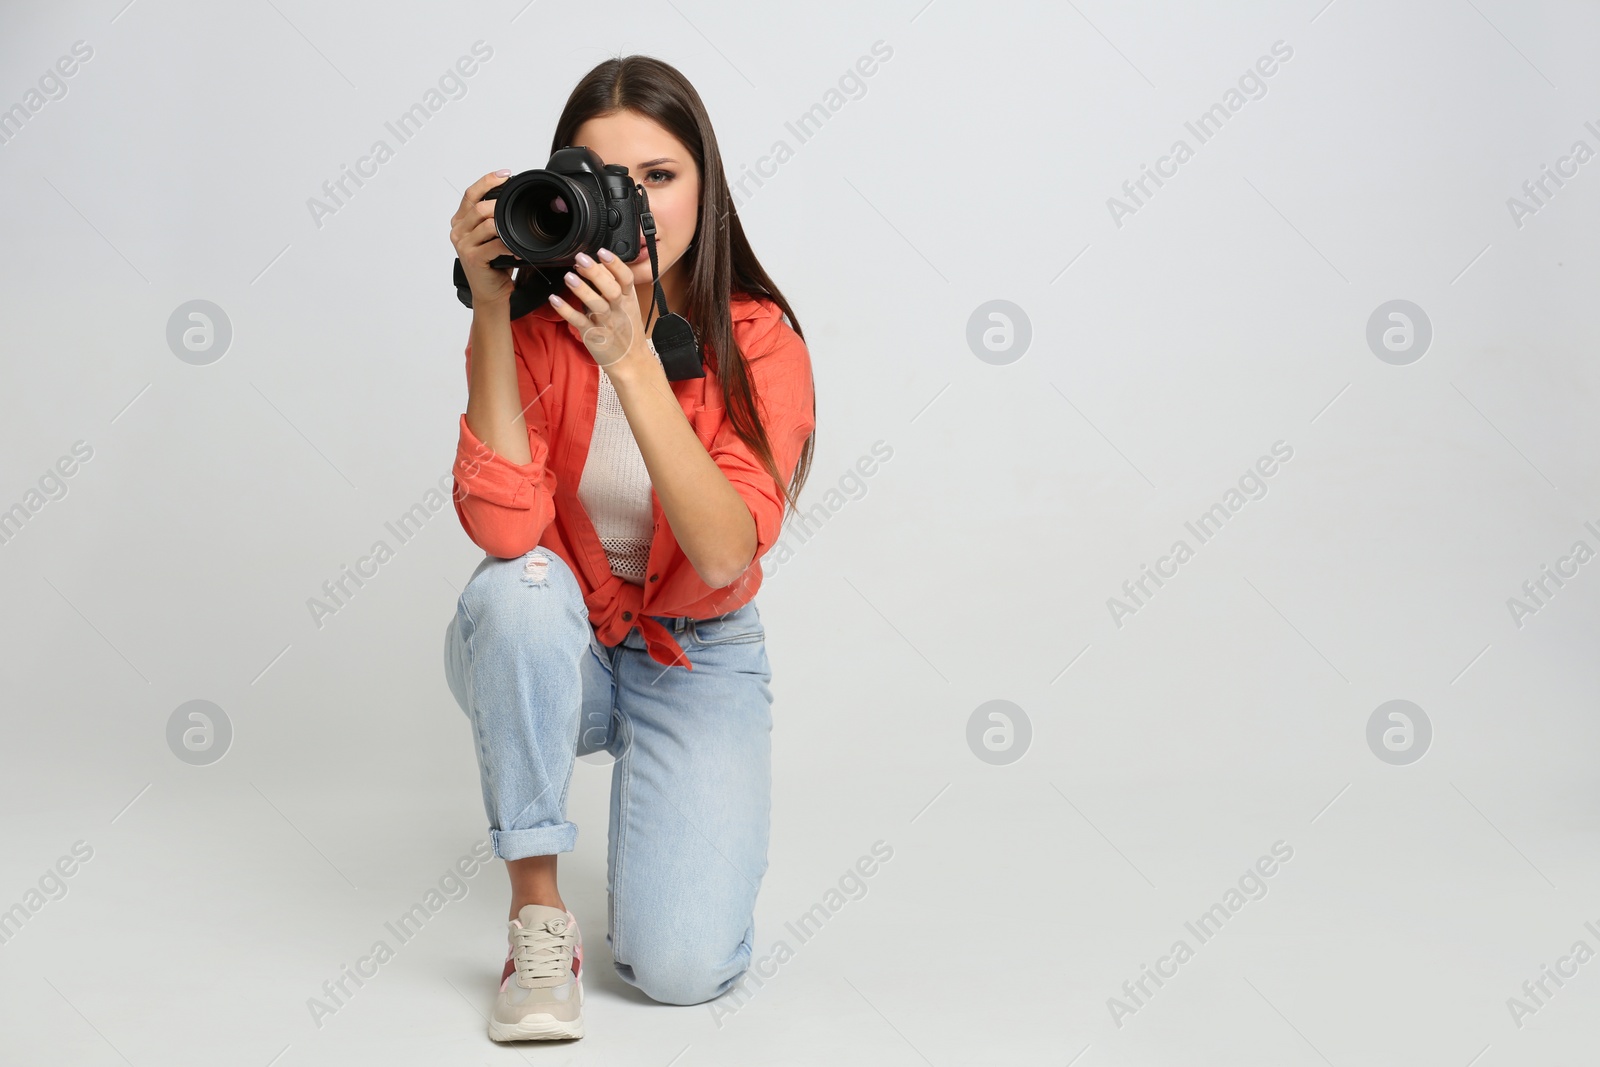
(535, 568)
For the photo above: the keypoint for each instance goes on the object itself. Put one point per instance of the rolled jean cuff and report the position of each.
(534, 841)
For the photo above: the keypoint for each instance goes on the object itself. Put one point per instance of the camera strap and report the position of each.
(672, 339)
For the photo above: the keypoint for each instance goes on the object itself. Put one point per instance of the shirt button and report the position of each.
(627, 616)
(653, 577)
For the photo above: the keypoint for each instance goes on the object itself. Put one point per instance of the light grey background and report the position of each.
(1166, 755)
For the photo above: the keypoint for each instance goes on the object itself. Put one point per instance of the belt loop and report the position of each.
(678, 626)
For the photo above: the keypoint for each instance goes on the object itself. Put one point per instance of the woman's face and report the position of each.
(658, 161)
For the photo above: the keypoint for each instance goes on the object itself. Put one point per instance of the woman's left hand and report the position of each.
(604, 309)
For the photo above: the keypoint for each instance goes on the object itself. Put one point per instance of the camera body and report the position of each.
(574, 203)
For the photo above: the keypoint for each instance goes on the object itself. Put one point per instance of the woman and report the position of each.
(624, 516)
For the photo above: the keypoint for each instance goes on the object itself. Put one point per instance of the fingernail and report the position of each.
(572, 279)
(502, 174)
(584, 260)
(554, 299)
(606, 254)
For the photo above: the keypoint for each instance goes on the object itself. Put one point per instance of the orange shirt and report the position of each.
(507, 509)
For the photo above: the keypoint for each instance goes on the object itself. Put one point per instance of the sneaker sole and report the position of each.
(539, 1026)
(535, 1028)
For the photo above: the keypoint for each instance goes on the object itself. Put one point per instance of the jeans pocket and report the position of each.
(739, 626)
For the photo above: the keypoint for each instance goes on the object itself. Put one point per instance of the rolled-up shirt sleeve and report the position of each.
(780, 370)
(504, 507)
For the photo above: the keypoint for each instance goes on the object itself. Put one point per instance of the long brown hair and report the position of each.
(720, 262)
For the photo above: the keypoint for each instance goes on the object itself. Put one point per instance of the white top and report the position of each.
(615, 488)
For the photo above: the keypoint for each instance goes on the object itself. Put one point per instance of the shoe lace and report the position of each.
(544, 950)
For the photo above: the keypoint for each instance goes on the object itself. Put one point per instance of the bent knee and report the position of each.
(522, 585)
(679, 977)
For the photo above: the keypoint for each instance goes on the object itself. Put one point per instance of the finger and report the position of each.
(486, 247)
(483, 230)
(602, 280)
(586, 295)
(617, 269)
(485, 233)
(496, 248)
(468, 233)
(476, 190)
(571, 314)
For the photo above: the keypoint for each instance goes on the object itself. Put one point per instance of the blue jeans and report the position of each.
(691, 785)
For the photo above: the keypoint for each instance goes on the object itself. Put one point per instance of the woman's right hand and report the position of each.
(473, 233)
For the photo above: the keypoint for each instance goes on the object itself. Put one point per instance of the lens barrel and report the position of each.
(543, 217)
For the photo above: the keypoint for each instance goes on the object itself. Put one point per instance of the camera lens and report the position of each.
(541, 218)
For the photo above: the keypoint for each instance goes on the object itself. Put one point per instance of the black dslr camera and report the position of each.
(576, 203)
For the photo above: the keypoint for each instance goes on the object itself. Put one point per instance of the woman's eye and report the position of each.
(666, 174)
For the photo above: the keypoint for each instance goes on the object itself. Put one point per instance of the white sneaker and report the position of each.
(541, 995)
